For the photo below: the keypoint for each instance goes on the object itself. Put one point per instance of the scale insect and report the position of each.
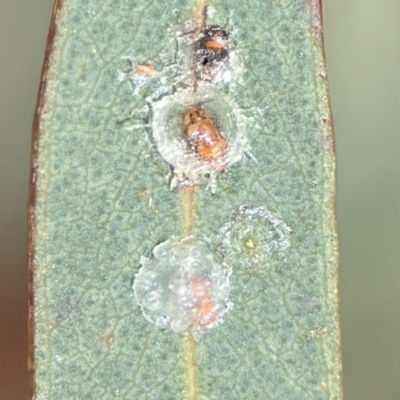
(203, 135)
(200, 134)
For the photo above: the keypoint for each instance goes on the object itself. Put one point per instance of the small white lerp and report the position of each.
(181, 287)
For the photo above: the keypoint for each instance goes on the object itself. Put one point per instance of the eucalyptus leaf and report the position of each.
(102, 201)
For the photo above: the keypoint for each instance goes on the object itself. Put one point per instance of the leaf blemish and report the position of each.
(256, 233)
(213, 55)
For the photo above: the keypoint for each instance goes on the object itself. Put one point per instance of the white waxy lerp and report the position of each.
(181, 287)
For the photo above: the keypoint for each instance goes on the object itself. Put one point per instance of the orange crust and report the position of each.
(214, 45)
(146, 70)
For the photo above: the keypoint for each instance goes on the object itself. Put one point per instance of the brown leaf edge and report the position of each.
(32, 193)
(329, 149)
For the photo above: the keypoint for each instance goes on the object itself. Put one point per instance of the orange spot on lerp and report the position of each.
(146, 70)
(200, 291)
(214, 45)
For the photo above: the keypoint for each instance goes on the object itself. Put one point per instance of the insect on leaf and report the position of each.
(183, 237)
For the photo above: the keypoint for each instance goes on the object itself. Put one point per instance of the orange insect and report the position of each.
(211, 44)
(146, 70)
(200, 291)
(204, 135)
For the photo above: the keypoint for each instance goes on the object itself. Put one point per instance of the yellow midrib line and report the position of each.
(188, 199)
(189, 344)
(199, 13)
(188, 205)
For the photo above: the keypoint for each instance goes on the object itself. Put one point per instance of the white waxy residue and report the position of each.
(181, 287)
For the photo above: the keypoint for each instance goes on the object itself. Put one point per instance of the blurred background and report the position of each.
(362, 40)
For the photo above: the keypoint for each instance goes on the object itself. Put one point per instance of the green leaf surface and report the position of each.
(102, 200)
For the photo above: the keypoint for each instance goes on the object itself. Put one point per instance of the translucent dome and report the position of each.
(181, 287)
